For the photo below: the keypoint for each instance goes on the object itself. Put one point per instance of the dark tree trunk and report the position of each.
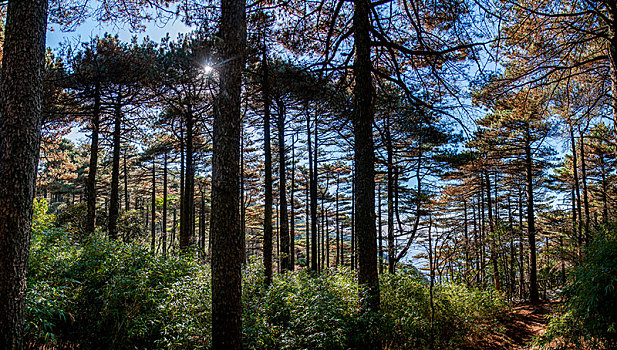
(182, 167)
(115, 171)
(585, 192)
(531, 222)
(313, 192)
(153, 218)
(186, 220)
(491, 225)
(292, 214)
(268, 174)
(612, 55)
(336, 222)
(390, 185)
(21, 90)
(284, 219)
(126, 183)
(94, 156)
(227, 249)
(577, 192)
(364, 161)
(164, 230)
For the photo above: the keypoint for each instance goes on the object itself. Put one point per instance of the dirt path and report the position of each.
(526, 321)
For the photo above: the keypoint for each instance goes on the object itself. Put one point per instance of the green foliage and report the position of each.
(589, 315)
(459, 314)
(73, 219)
(130, 226)
(42, 219)
(116, 295)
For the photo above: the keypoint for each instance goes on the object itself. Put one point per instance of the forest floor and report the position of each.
(525, 322)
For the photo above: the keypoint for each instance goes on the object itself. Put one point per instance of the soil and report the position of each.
(525, 322)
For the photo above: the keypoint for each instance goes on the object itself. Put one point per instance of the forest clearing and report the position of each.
(308, 174)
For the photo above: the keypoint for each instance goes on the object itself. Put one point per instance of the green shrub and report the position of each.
(114, 295)
(589, 315)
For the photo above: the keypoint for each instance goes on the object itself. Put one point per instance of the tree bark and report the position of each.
(187, 238)
(531, 222)
(21, 90)
(313, 192)
(153, 218)
(292, 214)
(268, 174)
(94, 156)
(284, 219)
(364, 162)
(164, 230)
(115, 171)
(227, 249)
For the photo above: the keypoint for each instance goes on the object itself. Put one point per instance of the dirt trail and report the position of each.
(526, 321)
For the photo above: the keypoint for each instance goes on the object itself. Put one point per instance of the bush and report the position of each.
(589, 315)
(113, 295)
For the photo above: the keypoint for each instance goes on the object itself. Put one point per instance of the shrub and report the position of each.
(589, 315)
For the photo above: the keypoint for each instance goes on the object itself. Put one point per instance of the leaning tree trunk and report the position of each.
(227, 248)
(364, 161)
(115, 173)
(94, 156)
(21, 89)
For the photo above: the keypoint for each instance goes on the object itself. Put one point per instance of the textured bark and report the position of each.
(585, 191)
(115, 172)
(94, 156)
(391, 184)
(292, 213)
(313, 193)
(153, 203)
(126, 183)
(576, 213)
(227, 250)
(284, 219)
(612, 55)
(268, 174)
(187, 238)
(531, 221)
(164, 229)
(364, 160)
(21, 87)
(491, 226)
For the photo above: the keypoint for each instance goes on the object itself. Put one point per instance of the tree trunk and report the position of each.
(531, 222)
(164, 230)
(227, 249)
(115, 171)
(187, 238)
(153, 218)
(21, 90)
(126, 183)
(94, 156)
(491, 225)
(577, 191)
(390, 185)
(364, 162)
(268, 174)
(313, 190)
(284, 219)
(292, 214)
(585, 192)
